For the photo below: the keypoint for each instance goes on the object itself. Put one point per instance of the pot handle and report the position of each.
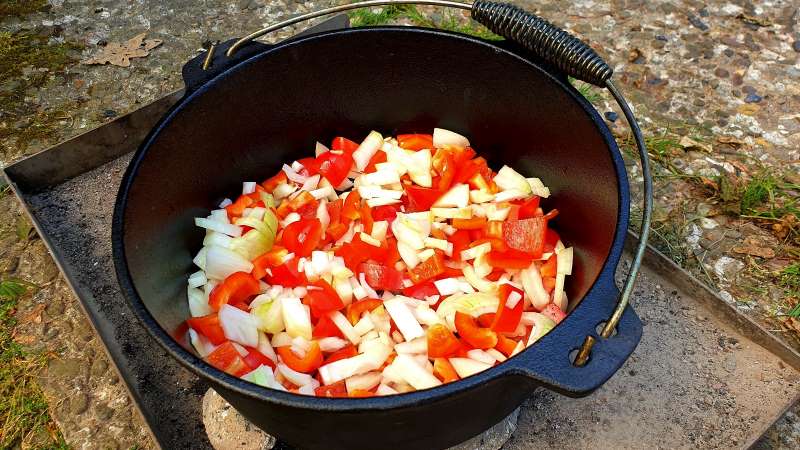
(570, 55)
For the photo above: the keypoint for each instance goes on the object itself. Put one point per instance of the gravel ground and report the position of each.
(729, 70)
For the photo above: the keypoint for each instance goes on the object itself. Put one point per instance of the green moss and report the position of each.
(29, 61)
(20, 8)
(392, 14)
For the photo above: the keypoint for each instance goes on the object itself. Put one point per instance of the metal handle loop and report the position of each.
(570, 55)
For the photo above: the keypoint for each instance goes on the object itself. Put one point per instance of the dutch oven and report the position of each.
(250, 107)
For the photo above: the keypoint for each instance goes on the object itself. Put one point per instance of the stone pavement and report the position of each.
(728, 71)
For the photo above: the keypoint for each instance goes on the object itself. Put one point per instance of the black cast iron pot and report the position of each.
(268, 107)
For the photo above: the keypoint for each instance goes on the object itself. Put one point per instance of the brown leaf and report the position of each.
(787, 223)
(792, 324)
(730, 140)
(753, 20)
(690, 144)
(753, 246)
(120, 54)
(748, 109)
(35, 316)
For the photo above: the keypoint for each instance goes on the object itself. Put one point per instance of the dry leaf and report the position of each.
(753, 246)
(730, 140)
(787, 223)
(120, 54)
(748, 109)
(792, 324)
(753, 20)
(690, 144)
(35, 316)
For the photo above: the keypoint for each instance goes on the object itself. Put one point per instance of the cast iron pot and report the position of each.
(268, 107)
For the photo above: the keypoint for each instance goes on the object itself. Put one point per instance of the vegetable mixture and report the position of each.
(388, 266)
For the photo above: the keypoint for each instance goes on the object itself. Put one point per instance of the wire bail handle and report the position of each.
(565, 51)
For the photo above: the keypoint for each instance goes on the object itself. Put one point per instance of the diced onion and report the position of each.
(509, 179)
(201, 344)
(480, 356)
(379, 230)
(238, 326)
(225, 202)
(403, 318)
(320, 148)
(221, 262)
(538, 188)
(534, 289)
(331, 344)
(225, 228)
(499, 357)
(413, 373)
(465, 367)
(248, 187)
(198, 302)
(447, 286)
(296, 318)
(513, 298)
(197, 279)
(296, 378)
(456, 197)
(415, 346)
(294, 176)
(281, 339)
(447, 138)
(345, 327)
(369, 146)
(385, 390)
(365, 381)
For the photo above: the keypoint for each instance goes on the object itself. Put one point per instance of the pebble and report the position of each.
(611, 116)
(78, 403)
(796, 46)
(752, 98)
(697, 23)
(722, 73)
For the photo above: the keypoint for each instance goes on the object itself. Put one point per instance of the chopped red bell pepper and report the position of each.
(421, 290)
(271, 183)
(384, 212)
(335, 390)
(326, 328)
(421, 198)
(238, 287)
(461, 241)
(227, 359)
(352, 206)
(551, 238)
(509, 259)
(255, 359)
(527, 209)
(430, 268)
(272, 258)
(494, 229)
(303, 199)
(482, 338)
(335, 231)
(209, 327)
(505, 345)
(236, 208)
(287, 274)
(344, 144)
(415, 142)
(475, 223)
(303, 236)
(526, 235)
(355, 310)
(381, 277)
(345, 352)
(498, 245)
(360, 393)
(377, 158)
(307, 364)
(335, 167)
(506, 319)
(549, 284)
(444, 371)
(335, 210)
(445, 166)
(323, 300)
(310, 166)
(366, 218)
(441, 341)
(486, 320)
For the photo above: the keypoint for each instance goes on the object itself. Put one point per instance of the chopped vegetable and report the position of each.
(377, 268)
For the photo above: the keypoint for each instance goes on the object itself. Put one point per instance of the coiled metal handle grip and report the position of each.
(556, 46)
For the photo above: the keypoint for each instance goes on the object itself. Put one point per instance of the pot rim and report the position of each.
(382, 403)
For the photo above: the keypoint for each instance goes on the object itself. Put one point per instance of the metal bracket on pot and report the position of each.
(559, 48)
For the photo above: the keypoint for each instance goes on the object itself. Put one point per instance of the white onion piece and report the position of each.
(513, 298)
(283, 190)
(480, 196)
(447, 286)
(296, 378)
(456, 197)
(538, 188)
(198, 302)
(217, 238)
(381, 177)
(413, 373)
(373, 202)
(479, 283)
(213, 225)
(296, 318)
(364, 325)
(294, 176)
(201, 344)
(323, 216)
(480, 356)
(369, 146)
(419, 168)
(532, 283)
(219, 215)
(509, 179)
(408, 254)
(564, 261)
(221, 262)
(447, 138)
(379, 230)
(465, 367)
(311, 183)
(320, 148)
(499, 357)
(197, 279)
(415, 346)
(452, 213)
(511, 194)
(323, 192)
(345, 327)
(403, 318)
(248, 187)
(225, 202)
(281, 339)
(265, 348)
(238, 325)
(426, 316)
(385, 390)
(331, 344)
(365, 381)
(367, 191)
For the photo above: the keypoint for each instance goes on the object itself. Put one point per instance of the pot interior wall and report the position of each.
(245, 125)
